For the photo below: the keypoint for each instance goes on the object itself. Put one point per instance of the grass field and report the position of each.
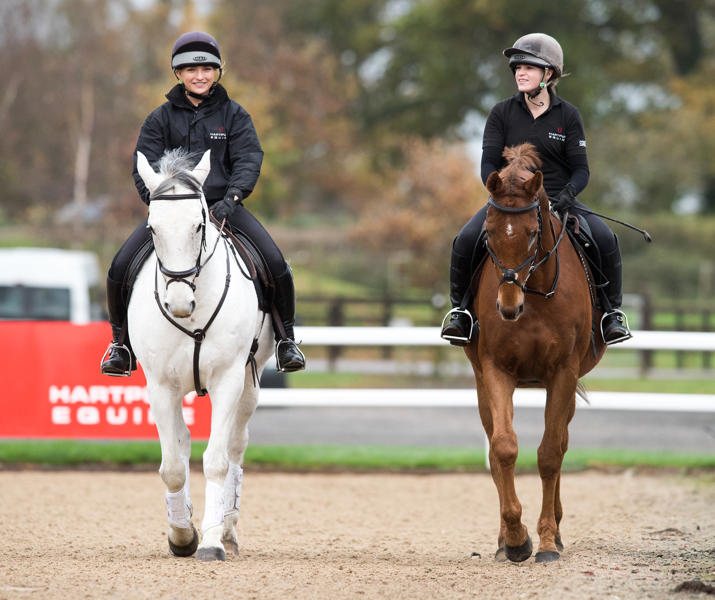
(596, 384)
(92, 454)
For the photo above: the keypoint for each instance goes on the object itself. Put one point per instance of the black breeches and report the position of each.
(240, 219)
(120, 265)
(244, 221)
(466, 240)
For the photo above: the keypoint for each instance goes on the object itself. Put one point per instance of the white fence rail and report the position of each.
(429, 336)
(451, 398)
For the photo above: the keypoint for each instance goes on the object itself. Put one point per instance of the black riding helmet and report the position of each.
(195, 48)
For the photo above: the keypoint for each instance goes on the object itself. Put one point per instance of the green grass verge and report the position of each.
(308, 379)
(71, 453)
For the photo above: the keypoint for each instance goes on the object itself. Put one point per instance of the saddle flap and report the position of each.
(252, 257)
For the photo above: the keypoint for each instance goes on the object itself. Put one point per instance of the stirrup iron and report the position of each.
(278, 345)
(119, 348)
(623, 338)
(454, 338)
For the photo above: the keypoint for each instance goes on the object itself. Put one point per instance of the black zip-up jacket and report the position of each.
(558, 135)
(218, 123)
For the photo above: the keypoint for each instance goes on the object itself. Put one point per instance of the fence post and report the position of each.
(706, 327)
(335, 318)
(679, 326)
(647, 325)
(387, 306)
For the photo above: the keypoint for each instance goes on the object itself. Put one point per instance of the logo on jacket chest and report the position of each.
(557, 135)
(218, 134)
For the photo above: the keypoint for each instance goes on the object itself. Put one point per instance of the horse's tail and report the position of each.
(523, 156)
(583, 394)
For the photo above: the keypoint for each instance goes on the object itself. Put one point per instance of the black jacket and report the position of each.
(558, 135)
(219, 124)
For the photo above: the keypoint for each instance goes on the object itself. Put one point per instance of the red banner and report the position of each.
(53, 387)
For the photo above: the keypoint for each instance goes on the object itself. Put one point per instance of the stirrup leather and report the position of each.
(279, 367)
(623, 338)
(456, 338)
(119, 348)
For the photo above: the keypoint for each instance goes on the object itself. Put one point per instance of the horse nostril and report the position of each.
(193, 306)
(166, 305)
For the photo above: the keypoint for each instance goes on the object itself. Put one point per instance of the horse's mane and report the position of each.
(176, 166)
(520, 159)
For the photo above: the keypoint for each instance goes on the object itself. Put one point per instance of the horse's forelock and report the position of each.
(521, 158)
(176, 166)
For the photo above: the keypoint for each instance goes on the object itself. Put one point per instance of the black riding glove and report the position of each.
(224, 208)
(565, 199)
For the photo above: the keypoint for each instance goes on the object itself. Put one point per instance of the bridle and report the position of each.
(199, 334)
(193, 272)
(510, 275)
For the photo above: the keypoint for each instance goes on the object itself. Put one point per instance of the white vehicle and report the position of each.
(48, 284)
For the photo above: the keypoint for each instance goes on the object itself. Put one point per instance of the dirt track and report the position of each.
(102, 535)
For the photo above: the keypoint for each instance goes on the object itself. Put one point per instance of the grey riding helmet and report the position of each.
(195, 48)
(539, 50)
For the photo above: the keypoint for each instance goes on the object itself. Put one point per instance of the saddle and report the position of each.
(579, 233)
(241, 245)
(258, 270)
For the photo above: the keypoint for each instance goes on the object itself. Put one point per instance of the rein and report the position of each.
(510, 275)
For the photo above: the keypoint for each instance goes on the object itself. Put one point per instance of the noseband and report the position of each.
(510, 275)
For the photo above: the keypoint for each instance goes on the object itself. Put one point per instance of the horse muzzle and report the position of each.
(179, 300)
(510, 302)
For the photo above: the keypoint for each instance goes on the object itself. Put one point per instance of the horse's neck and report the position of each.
(214, 262)
(549, 232)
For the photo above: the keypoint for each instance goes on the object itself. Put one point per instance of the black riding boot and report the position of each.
(614, 324)
(462, 325)
(119, 359)
(289, 358)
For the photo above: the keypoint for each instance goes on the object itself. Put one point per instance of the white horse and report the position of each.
(193, 318)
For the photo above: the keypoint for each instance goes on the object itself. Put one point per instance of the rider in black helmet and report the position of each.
(537, 115)
(199, 115)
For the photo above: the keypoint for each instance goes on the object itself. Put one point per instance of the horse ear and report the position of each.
(150, 177)
(201, 171)
(493, 183)
(532, 185)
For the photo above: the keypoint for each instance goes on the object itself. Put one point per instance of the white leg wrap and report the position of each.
(232, 489)
(179, 509)
(213, 510)
(187, 484)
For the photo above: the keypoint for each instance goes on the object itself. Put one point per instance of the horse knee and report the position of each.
(173, 473)
(549, 461)
(215, 466)
(505, 448)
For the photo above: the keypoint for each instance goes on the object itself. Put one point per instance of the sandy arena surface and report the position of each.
(628, 535)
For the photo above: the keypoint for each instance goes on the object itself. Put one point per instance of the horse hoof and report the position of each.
(230, 546)
(500, 555)
(187, 550)
(211, 554)
(519, 553)
(546, 556)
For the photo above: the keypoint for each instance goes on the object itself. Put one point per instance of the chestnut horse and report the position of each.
(535, 314)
